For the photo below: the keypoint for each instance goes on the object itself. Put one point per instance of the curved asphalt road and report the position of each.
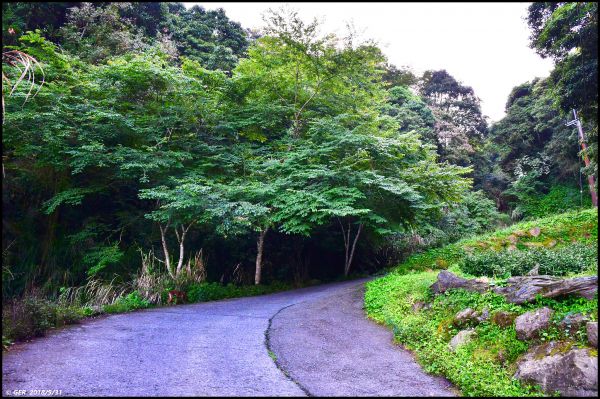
(322, 342)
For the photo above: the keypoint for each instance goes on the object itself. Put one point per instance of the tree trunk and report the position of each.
(349, 251)
(163, 239)
(259, 255)
(181, 254)
(181, 240)
(59, 181)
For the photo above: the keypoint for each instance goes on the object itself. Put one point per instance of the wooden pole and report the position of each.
(586, 160)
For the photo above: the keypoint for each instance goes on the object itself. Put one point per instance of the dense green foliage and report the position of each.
(536, 155)
(570, 259)
(126, 148)
(97, 31)
(558, 230)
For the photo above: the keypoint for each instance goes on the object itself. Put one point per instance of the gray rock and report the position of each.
(556, 367)
(522, 289)
(447, 280)
(592, 333)
(465, 316)
(572, 323)
(461, 338)
(503, 319)
(529, 325)
(469, 315)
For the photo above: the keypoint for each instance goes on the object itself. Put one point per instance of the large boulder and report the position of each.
(447, 280)
(461, 338)
(555, 366)
(522, 289)
(592, 333)
(529, 325)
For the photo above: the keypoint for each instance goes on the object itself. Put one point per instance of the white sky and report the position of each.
(483, 45)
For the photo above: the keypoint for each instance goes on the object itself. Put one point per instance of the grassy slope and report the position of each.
(483, 367)
(581, 226)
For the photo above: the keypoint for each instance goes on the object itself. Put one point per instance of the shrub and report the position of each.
(565, 228)
(213, 291)
(127, 303)
(574, 258)
(560, 198)
(28, 317)
(32, 316)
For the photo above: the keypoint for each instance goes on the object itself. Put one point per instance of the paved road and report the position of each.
(319, 336)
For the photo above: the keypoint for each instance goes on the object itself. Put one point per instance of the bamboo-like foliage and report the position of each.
(26, 64)
(95, 293)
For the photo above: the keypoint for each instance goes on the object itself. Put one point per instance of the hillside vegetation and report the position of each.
(484, 366)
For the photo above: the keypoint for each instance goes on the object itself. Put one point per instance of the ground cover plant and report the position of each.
(485, 366)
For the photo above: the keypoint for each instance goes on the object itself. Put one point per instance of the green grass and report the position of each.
(484, 366)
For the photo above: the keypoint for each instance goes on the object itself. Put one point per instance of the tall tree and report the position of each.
(294, 76)
(568, 33)
(460, 125)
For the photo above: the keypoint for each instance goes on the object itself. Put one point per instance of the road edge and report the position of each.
(273, 356)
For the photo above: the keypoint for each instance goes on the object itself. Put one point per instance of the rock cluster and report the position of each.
(557, 366)
(521, 289)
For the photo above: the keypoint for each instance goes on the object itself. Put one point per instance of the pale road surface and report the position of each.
(319, 336)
